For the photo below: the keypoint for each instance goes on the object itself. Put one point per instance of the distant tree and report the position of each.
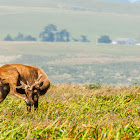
(49, 33)
(19, 37)
(63, 36)
(29, 38)
(84, 38)
(104, 39)
(8, 38)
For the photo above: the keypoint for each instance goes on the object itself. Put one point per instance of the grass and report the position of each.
(69, 50)
(74, 112)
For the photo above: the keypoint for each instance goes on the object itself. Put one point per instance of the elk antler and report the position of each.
(37, 82)
(27, 86)
(23, 85)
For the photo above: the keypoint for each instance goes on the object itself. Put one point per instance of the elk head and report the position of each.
(31, 90)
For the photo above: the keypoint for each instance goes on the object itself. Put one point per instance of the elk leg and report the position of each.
(4, 90)
(19, 95)
(28, 108)
(36, 101)
(36, 105)
(15, 93)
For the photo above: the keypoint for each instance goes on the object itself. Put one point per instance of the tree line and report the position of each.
(49, 34)
(104, 39)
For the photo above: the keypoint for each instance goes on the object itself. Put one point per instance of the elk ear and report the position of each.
(41, 84)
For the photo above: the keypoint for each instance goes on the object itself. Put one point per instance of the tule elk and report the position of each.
(18, 79)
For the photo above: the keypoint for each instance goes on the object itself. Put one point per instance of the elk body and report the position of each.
(18, 79)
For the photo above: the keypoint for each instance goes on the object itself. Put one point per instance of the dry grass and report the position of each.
(91, 60)
(74, 112)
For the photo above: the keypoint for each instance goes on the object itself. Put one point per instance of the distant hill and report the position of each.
(131, 1)
(92, 18)
(118, 0)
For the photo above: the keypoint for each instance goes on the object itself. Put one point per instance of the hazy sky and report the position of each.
(134, 0)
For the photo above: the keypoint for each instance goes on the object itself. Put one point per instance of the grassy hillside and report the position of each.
(77, 62)
(91, 5)
(74, 112)
(91, 18)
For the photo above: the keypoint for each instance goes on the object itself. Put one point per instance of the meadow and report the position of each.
(74, 112)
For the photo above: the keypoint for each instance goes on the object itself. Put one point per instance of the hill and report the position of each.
(120, 0)
(73, 62)
(74, 112)
(92, 18)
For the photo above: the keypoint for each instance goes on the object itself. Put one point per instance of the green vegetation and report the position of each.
(20, 37)
(93, 86)
(74, 112)
(104, 39)
(50, 34)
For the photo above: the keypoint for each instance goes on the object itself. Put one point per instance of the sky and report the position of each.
(133, 0)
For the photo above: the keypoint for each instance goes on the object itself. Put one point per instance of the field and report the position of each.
(74, 112)
(92, 18)
(94, 91)
(77, 63)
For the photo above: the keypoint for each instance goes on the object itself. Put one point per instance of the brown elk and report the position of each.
(18, 79)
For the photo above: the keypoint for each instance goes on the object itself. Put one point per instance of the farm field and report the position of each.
(74, 112)
(77, 63)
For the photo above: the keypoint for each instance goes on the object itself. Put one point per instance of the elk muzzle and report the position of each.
(29, 95)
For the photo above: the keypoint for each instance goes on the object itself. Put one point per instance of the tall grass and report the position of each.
(74, 112)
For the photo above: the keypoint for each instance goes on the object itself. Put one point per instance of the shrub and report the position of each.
(94, 86)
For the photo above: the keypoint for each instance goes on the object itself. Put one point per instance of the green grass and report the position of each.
(74, 112)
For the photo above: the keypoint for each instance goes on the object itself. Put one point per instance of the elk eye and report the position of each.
(41, 84)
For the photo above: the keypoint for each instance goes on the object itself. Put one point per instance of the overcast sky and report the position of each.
(134, 0)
